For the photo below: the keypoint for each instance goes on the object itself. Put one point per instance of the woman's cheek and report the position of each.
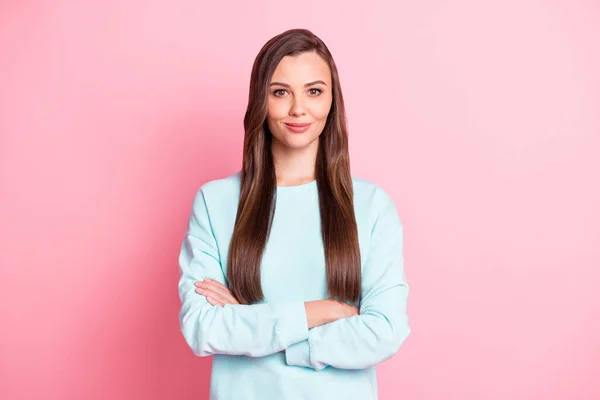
(323, 108)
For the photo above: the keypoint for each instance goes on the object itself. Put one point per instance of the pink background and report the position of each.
(481, 119)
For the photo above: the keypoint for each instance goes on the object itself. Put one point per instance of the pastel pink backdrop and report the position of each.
(480, 118)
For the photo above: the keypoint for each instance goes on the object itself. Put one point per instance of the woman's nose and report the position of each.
(297, 108)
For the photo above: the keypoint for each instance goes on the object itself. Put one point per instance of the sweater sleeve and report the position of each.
(377, 333)
(253, 330)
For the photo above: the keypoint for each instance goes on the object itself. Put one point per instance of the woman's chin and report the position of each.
(298, 141)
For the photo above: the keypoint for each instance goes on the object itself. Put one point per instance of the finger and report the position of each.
(213, 295)
(208, 280)
(223, 293)
(214, 302)
(218, 286)
(222, 290)
(207, 292)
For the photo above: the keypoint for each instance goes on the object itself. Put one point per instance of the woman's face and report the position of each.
(299, 93)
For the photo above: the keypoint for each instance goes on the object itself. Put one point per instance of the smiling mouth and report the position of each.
(297, 125)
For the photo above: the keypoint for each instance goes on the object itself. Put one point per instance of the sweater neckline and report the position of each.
(296, 187)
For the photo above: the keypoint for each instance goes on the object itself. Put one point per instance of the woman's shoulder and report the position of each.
(372, 202)
(223, 185)
(220, 193)
(369, 190)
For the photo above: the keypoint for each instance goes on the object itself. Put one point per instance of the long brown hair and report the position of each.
(258, 181)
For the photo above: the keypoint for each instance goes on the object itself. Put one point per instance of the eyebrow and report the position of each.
(305, 85)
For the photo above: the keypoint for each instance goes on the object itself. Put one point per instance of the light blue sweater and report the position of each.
(265, 351)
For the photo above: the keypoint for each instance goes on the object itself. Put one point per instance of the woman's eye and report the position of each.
(281, 92)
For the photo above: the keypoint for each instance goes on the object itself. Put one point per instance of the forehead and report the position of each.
(301, 69)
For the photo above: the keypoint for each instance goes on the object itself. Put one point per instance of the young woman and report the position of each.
(292, 269)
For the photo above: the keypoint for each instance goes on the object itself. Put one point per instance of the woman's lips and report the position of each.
(297, 128)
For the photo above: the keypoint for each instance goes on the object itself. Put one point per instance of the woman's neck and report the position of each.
(295, 166)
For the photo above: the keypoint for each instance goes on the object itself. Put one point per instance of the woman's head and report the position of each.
(300, 92)
(294, 80)
(295, 57)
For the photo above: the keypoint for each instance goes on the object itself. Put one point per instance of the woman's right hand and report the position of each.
(321, 312)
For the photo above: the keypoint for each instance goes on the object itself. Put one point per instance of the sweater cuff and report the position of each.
(293, 325)
(298, 354)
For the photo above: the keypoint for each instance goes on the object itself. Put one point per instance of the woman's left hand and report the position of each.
(215, 292)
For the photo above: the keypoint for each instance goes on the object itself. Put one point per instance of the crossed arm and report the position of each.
(312, 334)
(318, 312)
